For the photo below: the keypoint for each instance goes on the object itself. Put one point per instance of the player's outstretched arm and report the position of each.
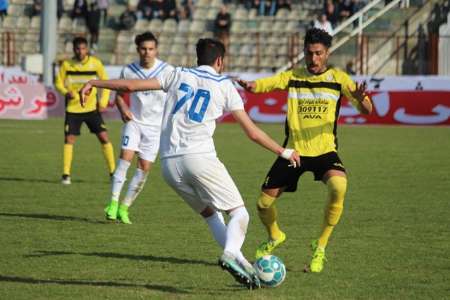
(121, 85)
(261, 138)
(246, 85)
(359, 93)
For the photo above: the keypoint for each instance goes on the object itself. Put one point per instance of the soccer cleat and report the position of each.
(111, 210)
(122, 214)
(318, 259)
(252, 272)
(65, 179)
(266, 248)
(228, 263)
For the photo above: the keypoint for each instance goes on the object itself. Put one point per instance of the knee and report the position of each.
(337, 187)
(265, 201)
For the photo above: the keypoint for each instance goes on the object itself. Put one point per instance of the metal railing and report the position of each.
(348, 23)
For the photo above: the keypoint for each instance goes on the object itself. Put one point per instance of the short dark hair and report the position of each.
(78, 41)
(145, 36)
(316, 35)
(208, 50)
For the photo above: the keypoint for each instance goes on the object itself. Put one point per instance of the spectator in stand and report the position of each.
(267, 7)
(346, 9)
(3, 8)
(93, 23)
(331, 12)
(128, 18)
(79, 9)
(146, 9)
(169, 10)
(36, 8)
(59, 8)
(222, 25)
(103, 6)
(187, 9)
(285, 4)
(322, 23)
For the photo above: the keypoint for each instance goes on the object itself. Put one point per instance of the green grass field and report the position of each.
(392, 242)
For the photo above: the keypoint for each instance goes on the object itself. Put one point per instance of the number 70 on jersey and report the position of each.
(200, 98)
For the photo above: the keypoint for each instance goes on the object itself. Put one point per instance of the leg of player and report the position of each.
(69, 141)
(216, 224)
(108, 151)
(134, 188)
(336, 182)
(267, 212)
(117, 181)
(232, 259)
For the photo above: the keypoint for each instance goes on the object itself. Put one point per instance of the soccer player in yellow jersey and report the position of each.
(314, 98)
(71, 77)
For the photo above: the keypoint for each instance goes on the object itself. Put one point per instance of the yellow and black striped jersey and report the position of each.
(313, 106)
(73, 74)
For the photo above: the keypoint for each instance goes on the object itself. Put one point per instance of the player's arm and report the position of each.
(364, 103)
(60, 82)
(356, 93)
(120, 85)
(124, 110)
(104, 99)
(260, 137)
(277, 82)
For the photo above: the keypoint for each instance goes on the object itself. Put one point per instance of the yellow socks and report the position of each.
(67, 158)
(268, 215)
(337, 186)
(108, 152)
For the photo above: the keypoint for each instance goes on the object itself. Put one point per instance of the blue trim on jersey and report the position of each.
(138, 70)
(209, 73)
(206, 76)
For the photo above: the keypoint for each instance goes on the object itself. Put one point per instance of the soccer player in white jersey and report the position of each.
(196, 98)
(141, 131)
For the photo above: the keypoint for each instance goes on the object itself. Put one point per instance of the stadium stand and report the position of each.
(257, 43)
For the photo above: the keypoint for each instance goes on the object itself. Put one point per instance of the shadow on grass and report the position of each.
(53, 217)
(56, 181)
(29, 280)
(172, 260)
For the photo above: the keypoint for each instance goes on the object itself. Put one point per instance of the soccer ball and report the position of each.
(271, 270)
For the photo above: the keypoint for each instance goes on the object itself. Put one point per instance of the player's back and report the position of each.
(196, 98)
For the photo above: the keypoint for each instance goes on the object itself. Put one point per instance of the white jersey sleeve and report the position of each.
(233, 99)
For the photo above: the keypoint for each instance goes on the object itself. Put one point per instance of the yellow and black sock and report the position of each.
(268, 215)
(337, 186)
(108, 153)
(67, 158)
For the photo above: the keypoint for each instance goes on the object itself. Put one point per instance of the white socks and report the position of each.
(135, 187)
(119, 178)
(219, 230)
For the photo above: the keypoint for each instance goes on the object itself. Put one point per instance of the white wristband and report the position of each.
(287, 153)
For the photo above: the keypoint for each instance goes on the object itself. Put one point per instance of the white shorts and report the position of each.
(142, 139)
(201, 181)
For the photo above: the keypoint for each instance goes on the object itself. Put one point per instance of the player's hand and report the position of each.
(247, 85)
(69, 96)
(359, 92)
(292, 156)
(126, 116)
(84, 93)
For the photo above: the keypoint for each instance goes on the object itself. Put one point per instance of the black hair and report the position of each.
(318, 36)
(78, 41)
(146, 36)
(208, 50)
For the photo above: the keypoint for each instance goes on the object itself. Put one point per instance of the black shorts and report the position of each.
(93, 120)
(281, 175)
